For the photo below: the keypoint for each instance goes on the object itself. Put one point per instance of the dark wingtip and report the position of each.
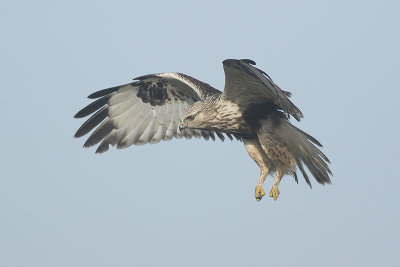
(81, 113)
(92, 107)
(104, 92)
(144, 77)
(92, 122)
(227, 61)
(248, 61)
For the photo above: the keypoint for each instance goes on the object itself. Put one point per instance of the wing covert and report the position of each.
(247, 85)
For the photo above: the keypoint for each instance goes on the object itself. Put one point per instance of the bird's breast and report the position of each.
(230, 119)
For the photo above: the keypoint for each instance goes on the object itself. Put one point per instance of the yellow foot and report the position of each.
(259, 193)
(274, 192)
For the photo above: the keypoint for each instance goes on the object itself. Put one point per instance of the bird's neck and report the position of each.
(226, 117)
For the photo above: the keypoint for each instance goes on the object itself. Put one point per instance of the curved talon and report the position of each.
(274, 192)
(259, 193)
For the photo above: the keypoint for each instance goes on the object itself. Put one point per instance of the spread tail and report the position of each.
(305, 151)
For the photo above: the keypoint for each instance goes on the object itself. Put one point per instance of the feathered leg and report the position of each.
(277, 150)
(256, 152)
(287, 147)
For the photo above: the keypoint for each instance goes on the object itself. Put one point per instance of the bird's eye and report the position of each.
(191, 117)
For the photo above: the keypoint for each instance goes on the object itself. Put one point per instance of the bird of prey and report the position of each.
(252, 108)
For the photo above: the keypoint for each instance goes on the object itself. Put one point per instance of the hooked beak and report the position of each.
(182, 126)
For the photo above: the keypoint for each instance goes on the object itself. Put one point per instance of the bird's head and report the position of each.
(198, 116)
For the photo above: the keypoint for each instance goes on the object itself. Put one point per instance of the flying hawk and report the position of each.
(252, 108)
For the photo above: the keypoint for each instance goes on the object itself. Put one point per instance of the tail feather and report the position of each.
(312, 139)
(295, 177)
(300, 164)
(305, 152)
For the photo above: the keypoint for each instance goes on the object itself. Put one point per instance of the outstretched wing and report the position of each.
(247, 85)
(145, 111)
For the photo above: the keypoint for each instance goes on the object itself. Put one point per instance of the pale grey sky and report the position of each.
(191, 203)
